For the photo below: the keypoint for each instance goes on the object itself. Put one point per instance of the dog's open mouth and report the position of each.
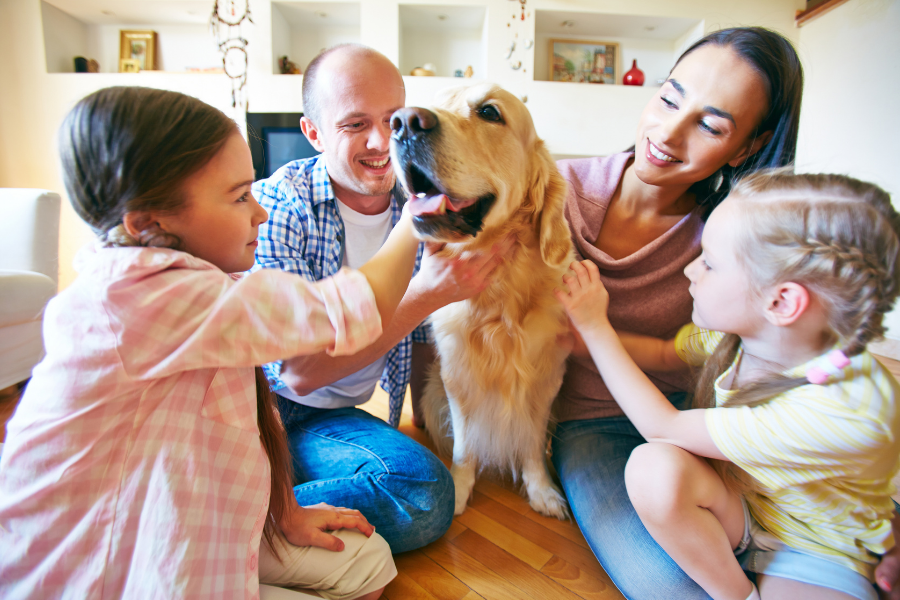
(435, 212)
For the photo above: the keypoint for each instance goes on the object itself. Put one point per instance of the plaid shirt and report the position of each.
(305, 235)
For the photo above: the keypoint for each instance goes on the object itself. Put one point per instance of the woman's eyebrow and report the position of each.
(716, 112)
(719, 113)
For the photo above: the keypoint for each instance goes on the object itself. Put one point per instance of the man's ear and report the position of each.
(751, 148)
(786, 303)
(311, 132)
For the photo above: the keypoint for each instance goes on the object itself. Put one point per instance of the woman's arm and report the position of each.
(650, 353)
(652, 414)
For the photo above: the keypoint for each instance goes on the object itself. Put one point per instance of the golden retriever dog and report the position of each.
(477, 172)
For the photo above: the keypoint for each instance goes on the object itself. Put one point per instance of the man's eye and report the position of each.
(489, 112)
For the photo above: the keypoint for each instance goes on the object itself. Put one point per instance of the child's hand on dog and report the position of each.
(586, 299)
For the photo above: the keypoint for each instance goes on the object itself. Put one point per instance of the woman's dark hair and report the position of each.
(776, 61)
(131, 149)
(127, 149)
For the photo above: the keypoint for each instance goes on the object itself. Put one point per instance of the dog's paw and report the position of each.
(464, 482)
(548, 501)
(462, 501)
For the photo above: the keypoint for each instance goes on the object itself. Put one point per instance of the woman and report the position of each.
(731, 105)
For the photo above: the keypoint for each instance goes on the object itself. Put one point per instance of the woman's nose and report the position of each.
(672, 128)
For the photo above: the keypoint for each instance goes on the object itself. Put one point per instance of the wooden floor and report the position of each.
(498, 549)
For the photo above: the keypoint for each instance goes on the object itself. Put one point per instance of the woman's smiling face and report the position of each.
(706, 115)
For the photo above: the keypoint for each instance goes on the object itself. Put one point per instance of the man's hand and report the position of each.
(307, 525)
(445, 279)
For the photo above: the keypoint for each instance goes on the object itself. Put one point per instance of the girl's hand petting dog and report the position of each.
(308, 525)
(586, 300)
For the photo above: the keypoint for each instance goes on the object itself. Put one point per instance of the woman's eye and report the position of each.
(707, 127)
(705, 265)
(244, 198)
(668, 102)
(489, 112)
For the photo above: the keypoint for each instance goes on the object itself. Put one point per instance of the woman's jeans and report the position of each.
(590, 458)
(346, 457)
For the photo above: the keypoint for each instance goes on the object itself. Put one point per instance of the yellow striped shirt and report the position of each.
(823, 456)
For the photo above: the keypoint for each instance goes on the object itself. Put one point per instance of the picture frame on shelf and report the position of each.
(139, 46)
(584, 61)
(129, 65)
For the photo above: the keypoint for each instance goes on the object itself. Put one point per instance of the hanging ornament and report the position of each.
(515, 27)
(225, 24)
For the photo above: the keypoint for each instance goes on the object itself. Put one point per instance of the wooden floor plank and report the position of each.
(530, 581)
(455, 529)
(583, 584)
(430, 576)
(520, 547)
(551, 541)
(503, 494)
(404, 588)
(568, 529)
(478, 577)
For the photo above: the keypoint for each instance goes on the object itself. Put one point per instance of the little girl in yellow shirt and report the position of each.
(795, 276)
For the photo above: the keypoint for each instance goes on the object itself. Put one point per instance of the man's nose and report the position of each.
(411, 122)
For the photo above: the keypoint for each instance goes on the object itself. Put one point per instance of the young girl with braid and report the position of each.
(800, 421)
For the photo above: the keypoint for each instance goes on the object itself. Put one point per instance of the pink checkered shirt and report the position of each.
(133, 465)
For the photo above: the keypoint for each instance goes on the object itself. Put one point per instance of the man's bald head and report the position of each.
(343, 56)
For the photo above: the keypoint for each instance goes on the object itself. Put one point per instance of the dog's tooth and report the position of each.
(442, 209)
(420, 195)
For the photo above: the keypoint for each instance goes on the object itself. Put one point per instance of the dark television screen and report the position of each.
(276, 139)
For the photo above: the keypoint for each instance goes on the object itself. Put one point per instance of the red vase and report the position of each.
(633, 77)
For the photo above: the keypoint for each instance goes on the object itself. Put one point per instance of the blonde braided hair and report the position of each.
(836, 236)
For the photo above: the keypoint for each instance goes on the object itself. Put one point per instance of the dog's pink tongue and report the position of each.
(436, 205)
(429, 205)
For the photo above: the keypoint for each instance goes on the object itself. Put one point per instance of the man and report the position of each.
(336, 210)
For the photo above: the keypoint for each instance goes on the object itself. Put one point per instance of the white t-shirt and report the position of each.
(363, 237)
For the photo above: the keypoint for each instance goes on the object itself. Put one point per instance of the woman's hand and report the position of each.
(586, 301)
(309, 525)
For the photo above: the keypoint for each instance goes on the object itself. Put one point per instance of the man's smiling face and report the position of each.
(358, 95)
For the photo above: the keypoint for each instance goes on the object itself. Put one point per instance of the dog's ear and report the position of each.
(547, 196)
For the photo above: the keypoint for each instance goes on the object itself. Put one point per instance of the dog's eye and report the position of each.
(489, 112)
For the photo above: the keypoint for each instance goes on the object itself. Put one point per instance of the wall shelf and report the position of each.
(655, 42)
(449, 37)
(91, 29)
(300, 30)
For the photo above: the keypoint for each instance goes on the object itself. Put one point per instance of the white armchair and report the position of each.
(29, 273)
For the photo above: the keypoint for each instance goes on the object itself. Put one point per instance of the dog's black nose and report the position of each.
(408, 122)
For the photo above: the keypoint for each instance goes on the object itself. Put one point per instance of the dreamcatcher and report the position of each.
(225, 24)
(518, 45)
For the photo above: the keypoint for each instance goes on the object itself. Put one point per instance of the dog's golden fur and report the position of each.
(501, 364)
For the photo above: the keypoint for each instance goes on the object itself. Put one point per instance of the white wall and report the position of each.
(850, 121)
(72, 36)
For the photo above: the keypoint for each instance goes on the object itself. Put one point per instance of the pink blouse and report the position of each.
(133, 465)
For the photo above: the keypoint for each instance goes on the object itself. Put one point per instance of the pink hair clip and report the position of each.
(818, 374)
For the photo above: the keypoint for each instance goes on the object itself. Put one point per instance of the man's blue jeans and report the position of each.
(347, 457)
(590, 458)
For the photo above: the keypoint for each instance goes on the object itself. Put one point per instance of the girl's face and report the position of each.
(724, 298)
(220, 218)
(704, 116)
